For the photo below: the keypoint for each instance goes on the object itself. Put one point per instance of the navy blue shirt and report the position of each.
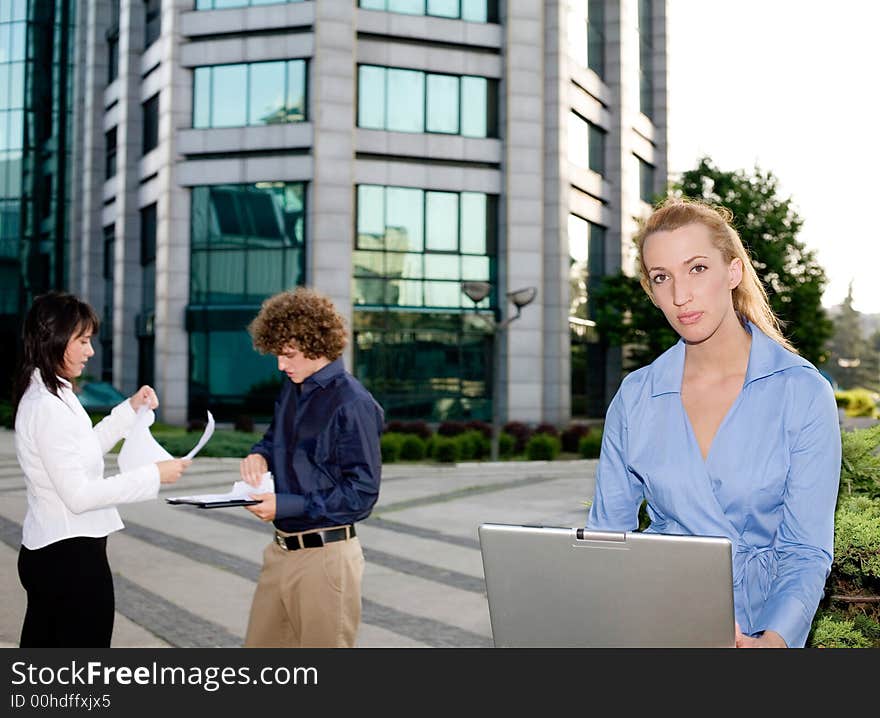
(323, 451)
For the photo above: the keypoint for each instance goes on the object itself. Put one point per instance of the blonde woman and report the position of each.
(729, 432)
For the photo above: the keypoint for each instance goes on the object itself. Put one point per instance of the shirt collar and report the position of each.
(38, 377)
(326, 374)
(766, 357)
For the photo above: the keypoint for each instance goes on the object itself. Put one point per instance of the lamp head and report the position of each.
(523, 297)
(476, 291)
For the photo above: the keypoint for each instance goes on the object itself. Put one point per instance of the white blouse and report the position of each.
(62, 456)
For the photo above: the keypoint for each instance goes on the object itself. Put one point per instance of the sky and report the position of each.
(789, 85)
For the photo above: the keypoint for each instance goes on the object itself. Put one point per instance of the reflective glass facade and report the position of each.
(646, 181)
(36, 84)
(586, 244)
(415, 348)
(275, 93)
(470, 10)
(415, 247)
(247, 243)
(414, 101)
(221, 4)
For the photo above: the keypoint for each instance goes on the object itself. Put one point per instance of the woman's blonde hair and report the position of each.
(749, 297)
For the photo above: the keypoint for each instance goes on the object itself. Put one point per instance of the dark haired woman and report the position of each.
(71, 506)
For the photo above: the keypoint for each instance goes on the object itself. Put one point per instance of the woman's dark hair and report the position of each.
(51, 322)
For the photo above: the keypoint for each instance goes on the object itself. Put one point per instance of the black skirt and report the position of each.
(70, 602)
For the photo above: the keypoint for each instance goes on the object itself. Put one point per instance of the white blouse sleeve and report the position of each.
(115, 425)
(61, 447)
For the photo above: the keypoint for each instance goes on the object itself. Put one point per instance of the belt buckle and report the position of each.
(279, 539)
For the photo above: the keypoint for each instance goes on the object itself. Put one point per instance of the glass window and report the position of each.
(246, 242)
(371, 97)
(372, 4)
(371, 217)
(202, 97)
(17, 41)
(152, 21)
(442, 115)
(578, 141)
(473, 223)
(151, 123)
(275, 92)
(15, 96)
(596, 36)
(646, 181)
(110, 149)
(404, 109)
(442, 213)
(443, 8)
(267, 97)
(404, 219)
(404, 271)
(410, 7)
(228, 108)
(597, 149)
(646, 58)
(479, 10)
(296, 91)
(475, 119)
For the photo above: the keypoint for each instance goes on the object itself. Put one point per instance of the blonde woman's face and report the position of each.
(692, 284)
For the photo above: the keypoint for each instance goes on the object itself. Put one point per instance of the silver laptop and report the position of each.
(567, 587)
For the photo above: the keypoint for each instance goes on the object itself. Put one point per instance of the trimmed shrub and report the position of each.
(543, 447)
(506, 445)
(521, 434)
(412, 448)
(451, 428)
(445, 450)
(572, 436)
(484, 427)
(472, 445)
(391, 443)
(590, 445)
(194, 425)
(549, 429)
(419, 428)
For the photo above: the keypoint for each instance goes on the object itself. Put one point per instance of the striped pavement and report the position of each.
(184, 577)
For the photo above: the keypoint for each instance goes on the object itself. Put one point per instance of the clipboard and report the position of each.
(213, 504)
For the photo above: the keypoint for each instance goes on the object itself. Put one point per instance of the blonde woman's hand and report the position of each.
(171, 470)
(145, 396)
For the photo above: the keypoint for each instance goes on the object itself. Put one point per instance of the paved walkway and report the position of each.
(185, 576)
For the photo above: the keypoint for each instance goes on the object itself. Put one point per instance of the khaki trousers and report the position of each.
(309, 598)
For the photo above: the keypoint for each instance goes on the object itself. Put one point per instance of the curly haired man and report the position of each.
(324, 454)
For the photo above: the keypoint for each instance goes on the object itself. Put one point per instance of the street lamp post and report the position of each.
(477, 292)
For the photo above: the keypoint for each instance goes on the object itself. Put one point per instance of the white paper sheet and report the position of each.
(207, 434)
(240, 490)
(140, 448)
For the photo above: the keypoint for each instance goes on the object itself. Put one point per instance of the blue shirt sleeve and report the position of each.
(805, 545)
(356, 431)
(618, 493)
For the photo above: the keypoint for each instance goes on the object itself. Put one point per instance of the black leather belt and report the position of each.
(315, 539)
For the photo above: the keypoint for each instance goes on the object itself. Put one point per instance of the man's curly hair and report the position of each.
(302, 318)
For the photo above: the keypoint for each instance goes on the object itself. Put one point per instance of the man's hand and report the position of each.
(252, 468)
(264, 510)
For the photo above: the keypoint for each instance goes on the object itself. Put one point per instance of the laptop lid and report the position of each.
(567, 587)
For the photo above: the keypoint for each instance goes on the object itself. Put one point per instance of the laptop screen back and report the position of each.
(566, 587)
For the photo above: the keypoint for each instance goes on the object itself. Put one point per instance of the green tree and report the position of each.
(853, 360)
(768, 225)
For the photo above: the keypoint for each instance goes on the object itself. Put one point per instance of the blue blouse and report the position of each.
(769, 482)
